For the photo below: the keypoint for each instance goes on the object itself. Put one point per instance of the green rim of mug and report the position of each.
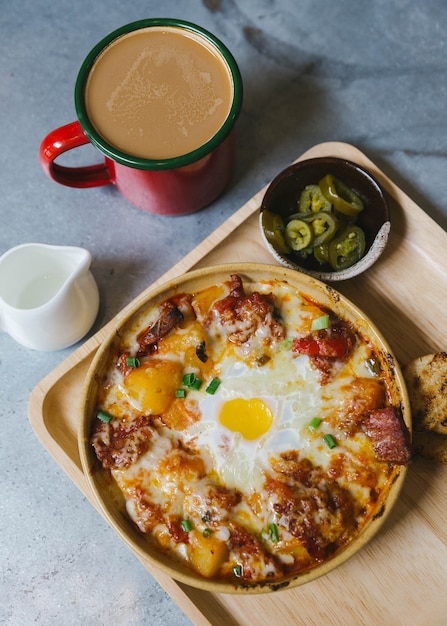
(157, 164)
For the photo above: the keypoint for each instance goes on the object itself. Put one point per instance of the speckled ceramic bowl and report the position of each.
(283, 195)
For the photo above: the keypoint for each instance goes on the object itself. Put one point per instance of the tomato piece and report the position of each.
(327, 346)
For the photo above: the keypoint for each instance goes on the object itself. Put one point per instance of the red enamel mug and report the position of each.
(167, 151)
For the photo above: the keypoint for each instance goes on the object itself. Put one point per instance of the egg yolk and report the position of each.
(252, 418)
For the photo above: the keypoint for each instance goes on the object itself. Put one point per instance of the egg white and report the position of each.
(287, 386)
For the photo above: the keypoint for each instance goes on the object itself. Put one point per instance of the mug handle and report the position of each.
(61, 140)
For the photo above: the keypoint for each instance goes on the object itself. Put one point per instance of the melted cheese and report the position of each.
(243, 459)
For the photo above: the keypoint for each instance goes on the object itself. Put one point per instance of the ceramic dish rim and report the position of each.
(249, 269)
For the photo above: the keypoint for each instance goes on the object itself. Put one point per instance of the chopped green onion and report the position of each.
(104, 417)
(329, 441)
(320, 323)
(237, 571)
(133, 361)
(180, 393)
(286, 344)
(186, 525)
(212, 387)
(314, 423)
(206, 533)
(196, 384)
(273, 533)
(188, 379)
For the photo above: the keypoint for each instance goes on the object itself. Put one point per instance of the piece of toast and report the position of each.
(426, 379)
(430, 445)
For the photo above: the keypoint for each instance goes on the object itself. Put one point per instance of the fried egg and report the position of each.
(255, 414)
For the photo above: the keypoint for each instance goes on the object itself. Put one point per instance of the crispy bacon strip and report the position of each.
(389, 434)
(301, 510)
(237, 288)
(241, 315)
(170, 317)
(218, 498)
(120, 444)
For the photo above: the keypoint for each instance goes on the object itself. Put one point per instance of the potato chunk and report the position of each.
(206, 554)
(152, 386)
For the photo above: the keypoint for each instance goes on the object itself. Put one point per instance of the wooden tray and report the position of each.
(400, 576)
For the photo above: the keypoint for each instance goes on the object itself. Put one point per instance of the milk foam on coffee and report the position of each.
(159, 92)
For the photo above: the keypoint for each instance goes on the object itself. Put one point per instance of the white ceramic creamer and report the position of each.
(48, 296)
